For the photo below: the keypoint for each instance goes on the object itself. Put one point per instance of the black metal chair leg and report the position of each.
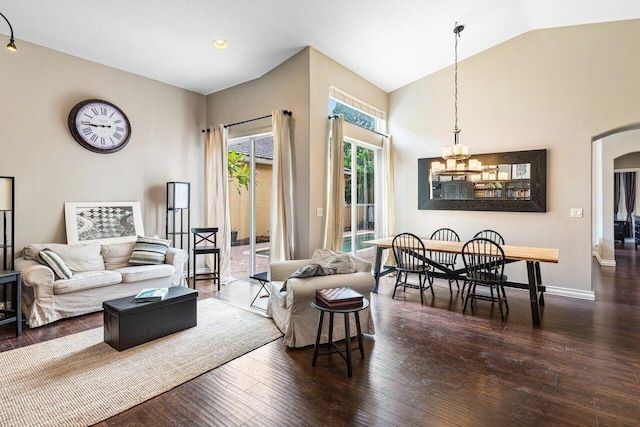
(347, 333)
(395, 288)
(466, 300)
(316, 347)
(504, 294)
(330, 331)
(359, 330)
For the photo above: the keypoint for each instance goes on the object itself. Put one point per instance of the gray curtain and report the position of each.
(617, 183)
(629, 179)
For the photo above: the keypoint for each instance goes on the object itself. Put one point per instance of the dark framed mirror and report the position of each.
(513, 181)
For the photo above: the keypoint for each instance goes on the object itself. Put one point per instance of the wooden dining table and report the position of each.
(533, 256)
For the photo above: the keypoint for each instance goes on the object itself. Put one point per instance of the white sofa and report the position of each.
(292, 312)
(100, 273)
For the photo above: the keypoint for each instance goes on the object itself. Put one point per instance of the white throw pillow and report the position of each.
(116, 255)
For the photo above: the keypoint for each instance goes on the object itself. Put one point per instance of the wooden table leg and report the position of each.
(17, 298)
(533, 293)
(376, 268)
(539, 282)
(347, 338)
(359, 330)
(330, 331)
(317, 346)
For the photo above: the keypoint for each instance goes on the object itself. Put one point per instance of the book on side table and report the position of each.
(339, 297)
(152, 294)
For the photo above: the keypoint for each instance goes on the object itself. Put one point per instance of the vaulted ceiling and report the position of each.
(389, 43)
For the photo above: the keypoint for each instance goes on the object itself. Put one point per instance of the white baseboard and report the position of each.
(570, 293)
(604, 262)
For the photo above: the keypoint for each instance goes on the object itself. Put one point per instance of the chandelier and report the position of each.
(456, 156)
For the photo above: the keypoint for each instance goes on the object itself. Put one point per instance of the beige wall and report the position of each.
(301, 85)
(285, 87)
(554, 89)
(38, 88)
(325, 72)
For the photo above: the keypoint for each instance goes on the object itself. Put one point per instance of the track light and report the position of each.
(12, 44)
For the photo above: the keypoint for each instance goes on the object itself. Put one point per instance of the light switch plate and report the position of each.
(318, 211)
(576, 212)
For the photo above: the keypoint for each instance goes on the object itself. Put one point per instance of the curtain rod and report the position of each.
(335, 116)
(287, 112)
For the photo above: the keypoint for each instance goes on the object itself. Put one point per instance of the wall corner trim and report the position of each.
(604, 262)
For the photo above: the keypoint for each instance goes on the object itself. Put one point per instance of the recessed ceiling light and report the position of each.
(220, 44)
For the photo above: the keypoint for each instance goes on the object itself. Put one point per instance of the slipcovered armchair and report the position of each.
(290, 308)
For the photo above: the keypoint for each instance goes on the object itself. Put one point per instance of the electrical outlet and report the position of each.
(319, 212)
(576, 212)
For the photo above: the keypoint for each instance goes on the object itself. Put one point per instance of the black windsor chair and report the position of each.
(445, 258)
(410, 255)
(484, 263)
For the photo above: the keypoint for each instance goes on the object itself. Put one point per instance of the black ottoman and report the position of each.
(128, 323)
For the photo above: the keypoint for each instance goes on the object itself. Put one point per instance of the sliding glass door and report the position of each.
(250, 166)
(360, 161)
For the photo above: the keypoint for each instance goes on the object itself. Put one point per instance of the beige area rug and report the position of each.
(80, 380)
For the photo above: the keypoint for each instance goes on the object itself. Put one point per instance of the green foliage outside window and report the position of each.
(238, 170)
(365, 173)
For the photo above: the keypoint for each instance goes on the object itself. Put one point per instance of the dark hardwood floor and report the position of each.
(426, 365)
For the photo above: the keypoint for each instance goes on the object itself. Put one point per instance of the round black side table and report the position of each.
(331, 346)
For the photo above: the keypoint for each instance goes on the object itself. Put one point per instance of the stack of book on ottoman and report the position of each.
(339, 298)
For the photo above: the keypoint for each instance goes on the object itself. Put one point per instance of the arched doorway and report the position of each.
(606, 149)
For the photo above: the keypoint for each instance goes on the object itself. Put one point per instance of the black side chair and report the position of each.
(486, 234)
(484, 263)
(410, 259)
(444, 258)
(205, 242)
(491, 235)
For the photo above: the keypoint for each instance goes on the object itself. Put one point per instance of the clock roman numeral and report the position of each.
(91, 117)
(117, 121)
(85, 122)
(112, 114)
(94, 137)
(87, 131)
(119, 129)
(103, 111)
(102, 141)
(117, 136)
(95, 111)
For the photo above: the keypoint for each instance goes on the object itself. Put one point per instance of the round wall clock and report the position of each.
(99, 126)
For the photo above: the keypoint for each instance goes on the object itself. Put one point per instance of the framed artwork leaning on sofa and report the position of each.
(103, 222)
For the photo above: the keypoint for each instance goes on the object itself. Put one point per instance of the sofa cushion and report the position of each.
(116, 255)
(56, 263)
(78, 258)
(149, 251)
(144, 272)
(86, 280)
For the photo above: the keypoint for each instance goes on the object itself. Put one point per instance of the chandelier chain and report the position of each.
(456, 35)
